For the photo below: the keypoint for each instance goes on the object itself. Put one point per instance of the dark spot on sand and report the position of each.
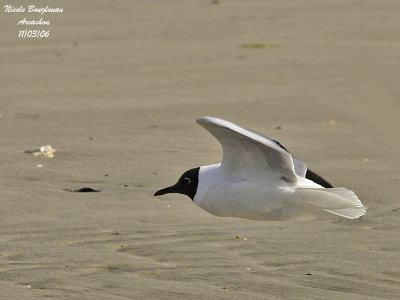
(84, 190)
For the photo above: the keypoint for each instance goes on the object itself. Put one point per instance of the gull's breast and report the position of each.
(248, 200)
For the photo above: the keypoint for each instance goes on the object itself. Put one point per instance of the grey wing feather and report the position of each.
(247, 154)
(300, 168)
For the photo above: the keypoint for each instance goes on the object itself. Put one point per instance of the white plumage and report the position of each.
(258, 179)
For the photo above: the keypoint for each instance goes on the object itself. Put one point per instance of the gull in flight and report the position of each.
(259, 179)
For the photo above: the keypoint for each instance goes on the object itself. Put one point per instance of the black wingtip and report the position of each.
(317, 179)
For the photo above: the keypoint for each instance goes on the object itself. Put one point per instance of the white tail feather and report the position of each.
(338, 201)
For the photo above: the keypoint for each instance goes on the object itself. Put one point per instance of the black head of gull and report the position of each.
(186, 185)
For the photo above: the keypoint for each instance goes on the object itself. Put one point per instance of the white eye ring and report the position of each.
(186, 180)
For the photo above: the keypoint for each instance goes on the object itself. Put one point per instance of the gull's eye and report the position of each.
(186, 180)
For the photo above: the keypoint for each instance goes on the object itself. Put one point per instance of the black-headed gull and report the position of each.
(258, 179)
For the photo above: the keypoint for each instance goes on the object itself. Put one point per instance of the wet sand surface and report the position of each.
(116, 90)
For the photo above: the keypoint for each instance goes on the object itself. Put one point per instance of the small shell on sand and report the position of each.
(47, 151)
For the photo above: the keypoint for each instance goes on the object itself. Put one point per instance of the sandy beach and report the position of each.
(116, 90)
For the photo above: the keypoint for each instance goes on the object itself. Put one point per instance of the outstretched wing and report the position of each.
(248, 154)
